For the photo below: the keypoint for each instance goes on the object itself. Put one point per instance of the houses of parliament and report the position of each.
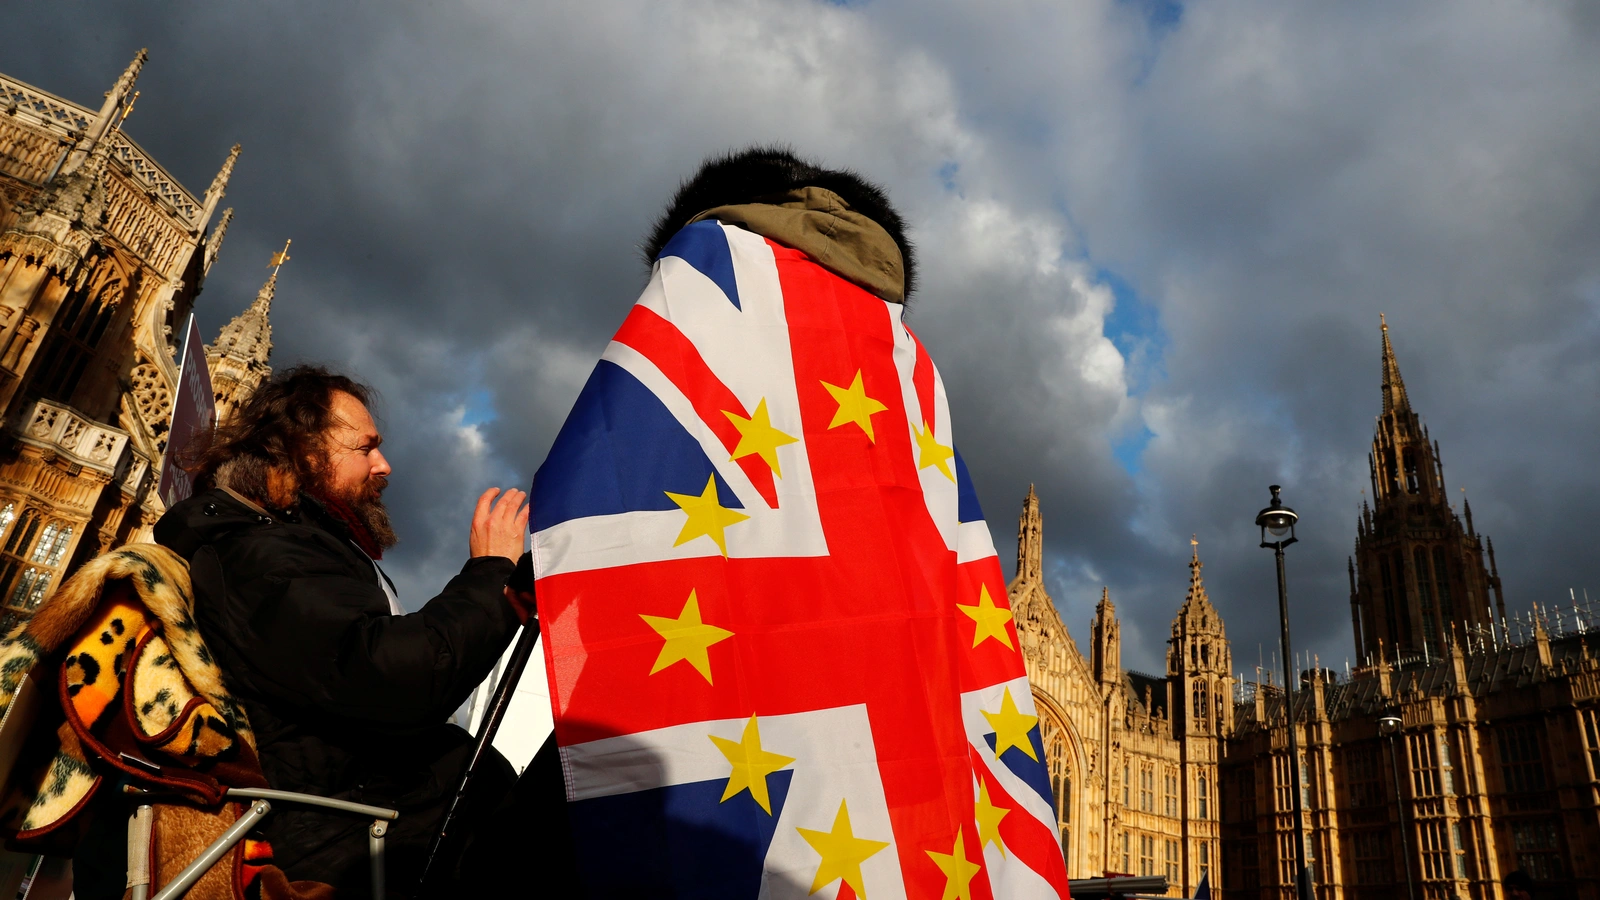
(102, 257)
(1493, 764)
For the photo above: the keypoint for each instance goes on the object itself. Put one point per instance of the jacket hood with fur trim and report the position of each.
(834, 215)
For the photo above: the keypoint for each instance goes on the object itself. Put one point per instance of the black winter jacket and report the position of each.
(346, 699)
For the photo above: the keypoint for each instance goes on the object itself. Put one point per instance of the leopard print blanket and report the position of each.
(128, 611)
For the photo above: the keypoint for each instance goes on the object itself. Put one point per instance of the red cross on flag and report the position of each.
(779, 647)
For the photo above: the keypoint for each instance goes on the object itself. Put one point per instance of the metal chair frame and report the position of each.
(139, 838)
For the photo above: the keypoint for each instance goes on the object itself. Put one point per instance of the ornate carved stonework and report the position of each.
(1127, 765)
(151, 394)
(96, 239)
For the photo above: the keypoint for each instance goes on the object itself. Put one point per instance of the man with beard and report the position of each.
(348, 695)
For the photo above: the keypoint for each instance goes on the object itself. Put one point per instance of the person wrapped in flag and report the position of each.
(780, 653)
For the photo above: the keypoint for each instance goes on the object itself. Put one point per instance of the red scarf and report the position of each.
(352, 520)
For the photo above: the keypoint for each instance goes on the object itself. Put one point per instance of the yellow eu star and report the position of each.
(751, 764)
(842, 853)
(1011, 728)
(990, 619)
(989, 816)
(707, 516)
(932, 453)
(757, 436)
(958, 872)
(687, 638)
(854, 406)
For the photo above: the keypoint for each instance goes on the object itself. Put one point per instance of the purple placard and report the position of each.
(194, 409)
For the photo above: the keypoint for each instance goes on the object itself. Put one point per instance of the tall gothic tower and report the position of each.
(1417, 573)
(1200, 675)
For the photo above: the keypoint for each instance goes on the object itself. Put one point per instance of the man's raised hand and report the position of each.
(499, 528)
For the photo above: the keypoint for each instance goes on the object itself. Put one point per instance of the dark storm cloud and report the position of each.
(467, 185)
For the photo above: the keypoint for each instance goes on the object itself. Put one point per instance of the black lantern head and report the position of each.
(1388, 725)
(1278, 521)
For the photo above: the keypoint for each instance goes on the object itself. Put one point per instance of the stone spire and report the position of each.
(249, 336)
(1196, 603)
(107, 116)
(1197, 627)
(214, 242)
(1106, 654)
(1394, 387)
(219, 184)
(1030, 540)
(239, 357)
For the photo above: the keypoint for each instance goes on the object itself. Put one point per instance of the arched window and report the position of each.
(1413, 484)
(1205, 805)
(1441, 582)
(1404, 635)
(17, 541)
(1201, 703)
(38, 561)
(1387, 577)
(71, 341)
(1430, 628)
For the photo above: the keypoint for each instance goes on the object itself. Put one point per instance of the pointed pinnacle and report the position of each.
(1394, 387)
(131, 73)
(219, 183)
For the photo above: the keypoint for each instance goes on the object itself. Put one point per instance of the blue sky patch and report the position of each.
(1128, 449)
(947, 175)
(1134, 326)
(479, 408)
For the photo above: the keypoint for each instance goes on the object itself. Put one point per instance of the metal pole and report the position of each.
(1302, 873)
(1405, 842)
(191, 873)
(375, 842)
(498, 702)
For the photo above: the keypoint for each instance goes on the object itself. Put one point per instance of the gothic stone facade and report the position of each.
(102, 254)
(1133, 758)
(1496, 763)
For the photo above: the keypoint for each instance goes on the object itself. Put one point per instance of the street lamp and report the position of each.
(1277, 522)
(1389, 726)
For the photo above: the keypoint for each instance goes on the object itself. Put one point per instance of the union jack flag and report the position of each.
(781, 657)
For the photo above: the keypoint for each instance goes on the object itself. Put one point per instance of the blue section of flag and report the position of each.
(620, 451)
(682, 840)
(704, 245)
(967, 509)
(1032, 772)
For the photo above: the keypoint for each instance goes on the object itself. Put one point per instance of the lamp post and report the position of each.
(1389, 726)
(1277, 521)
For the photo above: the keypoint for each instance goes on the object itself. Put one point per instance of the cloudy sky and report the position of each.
(1154, 238)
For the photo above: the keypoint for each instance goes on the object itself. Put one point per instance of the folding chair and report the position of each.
(140, 836)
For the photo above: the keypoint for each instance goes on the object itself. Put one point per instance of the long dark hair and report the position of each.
(271, 447)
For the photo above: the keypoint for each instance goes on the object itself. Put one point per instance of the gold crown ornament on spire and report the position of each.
(281, 256)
